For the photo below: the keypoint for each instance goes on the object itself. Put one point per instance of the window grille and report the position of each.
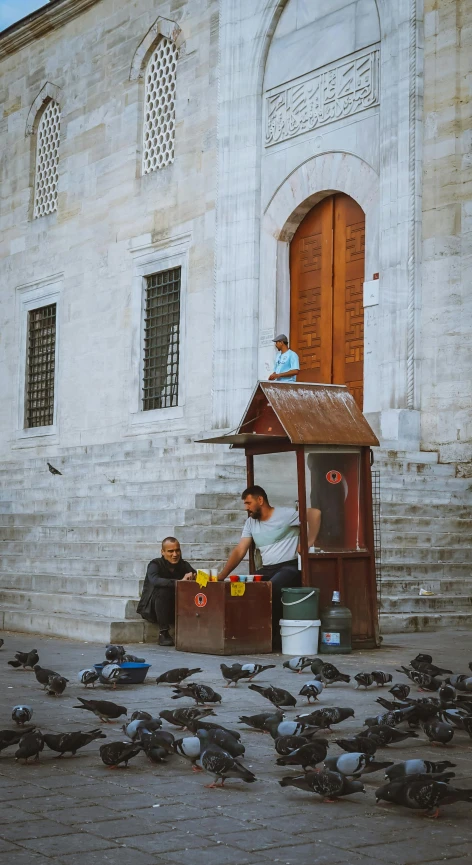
(40, 366)
(47, 157)
(159, 108)
(162, 340)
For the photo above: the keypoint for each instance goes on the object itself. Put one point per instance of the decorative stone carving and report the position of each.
(333, 92)
(47, 92)
(159, 108)
(47, 158)
(161, 27)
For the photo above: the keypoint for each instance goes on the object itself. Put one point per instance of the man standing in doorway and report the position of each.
(287, 363)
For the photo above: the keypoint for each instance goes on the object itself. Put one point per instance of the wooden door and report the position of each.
(326, 305)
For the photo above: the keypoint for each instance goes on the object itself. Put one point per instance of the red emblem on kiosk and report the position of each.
(334, 477)
(201, 600)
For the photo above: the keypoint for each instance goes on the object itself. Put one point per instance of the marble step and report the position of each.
(413, 603)
(415, 538)
(401, 623)
(420, 555)
(439, 585)
(66, 602)
(119, 587)
(91, 627)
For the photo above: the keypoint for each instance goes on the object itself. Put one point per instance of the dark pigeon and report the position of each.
(258, 722)
(177, 675)
(278, 696)
(218, 762)
(200, 693)
(329, 785)
(285, 745)
(25, 659)
(438, 732)
(181, 717)
(115, 654)
(364, 679)
(56, 686)
(12, 737)
(226, 741)
(327, 716)
(114, 753)
(400, 692)
(29, 746)
(307, 756)
(200, 724)
(42, 674)
(380, 678)
(139, 715)
(364, 744)
(65, 742)
(420, 792)
(424, 681)
(328, 671)
(21, 715)
(53, 470)
(104, 709)
(388, 735)
(158, 745)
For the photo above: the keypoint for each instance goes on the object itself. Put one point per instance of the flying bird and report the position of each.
(53, 470)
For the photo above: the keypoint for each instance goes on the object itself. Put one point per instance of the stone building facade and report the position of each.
(193, 138)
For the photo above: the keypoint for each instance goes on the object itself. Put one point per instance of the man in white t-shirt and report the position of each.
(275, 532)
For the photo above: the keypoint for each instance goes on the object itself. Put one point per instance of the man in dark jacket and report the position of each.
(157, 603)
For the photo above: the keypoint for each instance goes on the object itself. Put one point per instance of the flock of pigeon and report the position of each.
(300, 743)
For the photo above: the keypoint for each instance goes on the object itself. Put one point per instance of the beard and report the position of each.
(255, 513)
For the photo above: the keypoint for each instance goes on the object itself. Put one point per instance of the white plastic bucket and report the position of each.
(299, 636)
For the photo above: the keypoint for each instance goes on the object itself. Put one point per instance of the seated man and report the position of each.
(275, 532)
(157, 603)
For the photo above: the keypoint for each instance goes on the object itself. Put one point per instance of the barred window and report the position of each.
(40, 366)
(47, 158)
(162, 340)
(159, 108)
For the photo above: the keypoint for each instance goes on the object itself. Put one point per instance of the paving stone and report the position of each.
(167, 842)
(217, 825)
(118, 856)
(257, 838)
(416, 850)
(71, 843)
(83, 815)
(307, 854)
(33, 829)
(7, 846)
(125, 825)
(218, 855)
(23, 858)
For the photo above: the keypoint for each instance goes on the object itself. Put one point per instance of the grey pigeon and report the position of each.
(200, 693)
(56, 685)
(104, 709)
(417, 767)
(42, 674)
(307, 756)
(420, 792)
(258, 722)
(177, 675)
(364, 679)
(380, 678)
(220, 763)
(278, 696)
(25, 659)
(21, 714)
(297, 664)
(256, 669)
(423, 680)
(285, 745)
(114, 753)
(133, 728)
(88, 677)
(437, 731)
(278, 728)
(446, 694)
(311, 690)
(181, 717)
(355, 764)
(364, 744)
(12, 737)
(400, 692)
(327, 716)
(190, 748)
(65, 742)
(242, 671)
(29, 746)
(329, 785)
(330, 673)
(464, 684)
(112, 674)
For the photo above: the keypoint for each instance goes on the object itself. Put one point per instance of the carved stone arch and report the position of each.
(161, 27)
(47, 93)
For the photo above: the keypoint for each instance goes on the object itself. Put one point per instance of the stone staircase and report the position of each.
(74, 548)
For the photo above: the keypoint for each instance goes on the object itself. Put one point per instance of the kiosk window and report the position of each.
(332, 483)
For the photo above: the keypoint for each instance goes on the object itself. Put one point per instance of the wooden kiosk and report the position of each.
(332, 442)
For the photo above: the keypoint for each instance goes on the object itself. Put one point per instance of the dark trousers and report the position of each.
(163, 599)
(282, 576)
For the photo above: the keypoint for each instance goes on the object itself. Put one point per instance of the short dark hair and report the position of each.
(255, 491)
(170, 540)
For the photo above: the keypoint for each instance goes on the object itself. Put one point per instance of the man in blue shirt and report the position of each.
(287, 364)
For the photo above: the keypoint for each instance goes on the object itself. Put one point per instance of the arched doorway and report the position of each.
(326, 294)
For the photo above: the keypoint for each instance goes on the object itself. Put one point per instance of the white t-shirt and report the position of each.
(277, 537)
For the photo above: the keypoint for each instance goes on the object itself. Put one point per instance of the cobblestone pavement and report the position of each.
(74, 810)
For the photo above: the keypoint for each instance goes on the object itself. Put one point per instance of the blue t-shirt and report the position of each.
(284, 361)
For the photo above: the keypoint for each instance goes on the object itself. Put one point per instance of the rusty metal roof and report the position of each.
(308, 414)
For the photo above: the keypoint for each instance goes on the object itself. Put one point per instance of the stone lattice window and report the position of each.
(47, 158)
(159, 108)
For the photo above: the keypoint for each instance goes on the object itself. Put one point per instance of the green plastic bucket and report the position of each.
(300, 603)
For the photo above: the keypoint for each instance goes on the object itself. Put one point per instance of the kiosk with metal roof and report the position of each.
(320, 431)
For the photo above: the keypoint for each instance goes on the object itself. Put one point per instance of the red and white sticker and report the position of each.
(201, 600)
(334, 477)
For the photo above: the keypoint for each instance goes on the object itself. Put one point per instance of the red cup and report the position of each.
(234, 578)
(257, 578)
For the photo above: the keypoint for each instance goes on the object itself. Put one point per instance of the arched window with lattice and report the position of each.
(159, 106)
(47, 159)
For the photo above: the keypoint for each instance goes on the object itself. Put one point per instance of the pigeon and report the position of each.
(176, 676)
(133, 728)
(423, 665)
(456, 680)
(198, 724)
(446, 694)
(391, 719)
(307, 756)
(437, 732)
(88, 677)
(25, 659)
(12, 737)
(56, 686)
(104, 709)
(30, 745)
(311, 690)
(387, 735)
(278, 728)
(257, 722)
(467, 723)
(327, 716)
(420, 792)
(453, 716)
(242, 671)
(278, 696)
(21, 715)
(417, 767)
(464, 684)
(329, 785)
(157, 745)
(329, 672)
(423, 680)
(2, 642)
(112, 674)
(190, 748)
(53, 470)
(226, 741)
(381, 678)
(42, 674)
(200, 693)
(365, 744)
(115, 654)
(181, 717)
(285, 745)
(218, 762)
(114, 753)
(256, 669)
(64, 742)
(400, 692)
(139, 715)
(364, 679)
(133, 659)
(355, 764)
(297, 664)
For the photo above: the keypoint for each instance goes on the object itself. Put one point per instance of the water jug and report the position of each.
(336, 628)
